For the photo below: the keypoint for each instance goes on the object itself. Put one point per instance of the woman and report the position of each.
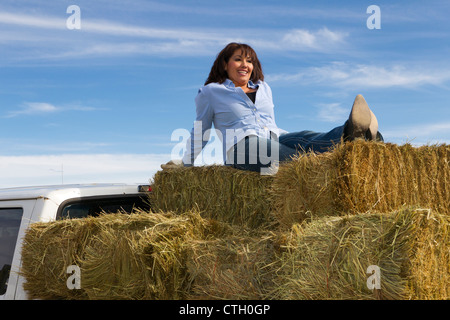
(239, 103)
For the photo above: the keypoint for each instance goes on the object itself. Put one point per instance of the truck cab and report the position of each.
(19, 207)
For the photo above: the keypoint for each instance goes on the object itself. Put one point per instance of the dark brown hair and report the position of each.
(218, 73)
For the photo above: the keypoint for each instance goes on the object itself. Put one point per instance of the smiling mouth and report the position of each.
(244, 73)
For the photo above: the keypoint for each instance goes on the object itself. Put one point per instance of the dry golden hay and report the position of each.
(234, 267)
(138, 256)
(218, 238)
(219, 192)
(328, 257)
(429, 273)
(362, 177)
(183, 256)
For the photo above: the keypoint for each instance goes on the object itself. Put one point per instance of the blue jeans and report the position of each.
(254, 153)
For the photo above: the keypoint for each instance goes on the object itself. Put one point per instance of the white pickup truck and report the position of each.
(21, 206)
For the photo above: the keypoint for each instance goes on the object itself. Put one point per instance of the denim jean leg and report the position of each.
(306, 141)
(254, 153)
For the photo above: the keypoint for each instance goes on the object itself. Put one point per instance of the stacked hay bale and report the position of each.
(309, 232)
(234, 267)
(138, 256)
(361, 177)
(223, 193)
(146, 256)
(429, 274)
(329, 257)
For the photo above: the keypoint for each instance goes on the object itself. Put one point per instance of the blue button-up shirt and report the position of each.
(233, 114)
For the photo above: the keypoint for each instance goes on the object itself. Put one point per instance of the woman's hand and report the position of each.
(172, 164)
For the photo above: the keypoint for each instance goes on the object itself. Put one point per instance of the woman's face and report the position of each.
(239, 68)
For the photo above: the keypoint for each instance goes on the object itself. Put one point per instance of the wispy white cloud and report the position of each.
(35, 108)
(332, 112)
(41, 108)
(104, 37)
(340, 74)
(260, 11)
(18, 171)
(27, 20)
(13, 146)
(437, 132)
(302, 39)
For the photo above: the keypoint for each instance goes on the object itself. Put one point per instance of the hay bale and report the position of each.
(218, 239)
(362, 177)
(138, 256)
(47, 250)
(429, 274)
(235, 267)
(183, 256)
(220, 192)
(328, 258)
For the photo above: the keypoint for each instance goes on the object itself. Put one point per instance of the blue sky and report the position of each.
(101, 103)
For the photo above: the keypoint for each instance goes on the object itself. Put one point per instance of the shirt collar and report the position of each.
(229, 84)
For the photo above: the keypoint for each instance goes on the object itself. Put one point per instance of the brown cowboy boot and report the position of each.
(359, 122)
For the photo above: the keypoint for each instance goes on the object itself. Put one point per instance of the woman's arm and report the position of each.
(203, 122)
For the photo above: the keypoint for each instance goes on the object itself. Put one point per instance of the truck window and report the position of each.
(10, 219)
(93, 206)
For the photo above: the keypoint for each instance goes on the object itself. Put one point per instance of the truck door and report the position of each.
(14, 219)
